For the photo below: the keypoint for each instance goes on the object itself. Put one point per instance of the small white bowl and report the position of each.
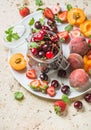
(23, 32)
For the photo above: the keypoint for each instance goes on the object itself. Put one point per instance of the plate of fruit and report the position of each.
(55, 57)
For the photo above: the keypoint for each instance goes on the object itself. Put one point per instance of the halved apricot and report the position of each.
(85, 28)
(76, 16)
(17, 61)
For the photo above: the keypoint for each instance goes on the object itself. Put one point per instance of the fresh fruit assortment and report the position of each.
(44, 45)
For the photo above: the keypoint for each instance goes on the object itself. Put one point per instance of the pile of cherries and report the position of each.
(46, 39)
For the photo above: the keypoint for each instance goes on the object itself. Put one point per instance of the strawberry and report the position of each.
(59, 106)
(35, 84)
(51, 91)
(48, 13)
(63, 16)
(63, 35)
(31, 74)
(75, 33)
(24, 11)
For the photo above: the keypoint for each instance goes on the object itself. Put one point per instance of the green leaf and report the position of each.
(9, 38)
(9, 30)
(62, 40)
(18, 95)
(42, 20)
(89, 36)
(65, 98)
(57, 19)
(31, 22)
(33, 45)
(15, 36)
(39, 9)
(68, 28)
(34, 30)
(69, 6)
(39, 2)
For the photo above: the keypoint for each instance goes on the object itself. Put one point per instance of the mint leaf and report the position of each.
(15, 36)
(68, 28)
(31, 22)
(42, 21)
(39, 2)
(69, 6)
(9, 38)
(33, 45)
(65, 98)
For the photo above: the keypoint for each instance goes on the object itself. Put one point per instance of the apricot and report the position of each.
(85, 28)
(76, 16)
(17, 61)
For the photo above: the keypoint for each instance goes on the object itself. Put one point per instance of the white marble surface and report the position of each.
(33, 113)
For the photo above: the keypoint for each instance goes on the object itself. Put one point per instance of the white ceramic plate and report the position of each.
(21, 76)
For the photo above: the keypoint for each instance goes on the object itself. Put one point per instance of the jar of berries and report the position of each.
(45, 51)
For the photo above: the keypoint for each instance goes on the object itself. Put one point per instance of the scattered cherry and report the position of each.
(78, 104)
(65, 89)
(87, 97)
(44, 76)
(54, 83)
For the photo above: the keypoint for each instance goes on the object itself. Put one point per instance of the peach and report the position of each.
(79, 80)
(75, 61)
(79, 45)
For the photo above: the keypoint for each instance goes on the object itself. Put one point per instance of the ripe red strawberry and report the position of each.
(63, 35)
(35, 84)
(51, 91)
(31, 74)
(24, 11)
(59, 107)
(48, 13)
(63, 16)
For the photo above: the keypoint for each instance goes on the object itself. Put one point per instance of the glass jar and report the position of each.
(59, 61)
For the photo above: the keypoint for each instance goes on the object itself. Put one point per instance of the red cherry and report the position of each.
(42, 32)
(39, 37)
(34, 51)
(49, 54)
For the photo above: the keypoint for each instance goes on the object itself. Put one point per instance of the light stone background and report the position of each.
(33, 113)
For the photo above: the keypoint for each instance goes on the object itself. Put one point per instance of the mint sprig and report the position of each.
(10, 35)
(65, 98)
